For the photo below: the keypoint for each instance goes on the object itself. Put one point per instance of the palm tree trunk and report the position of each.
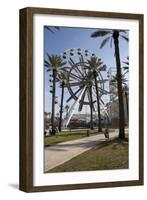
(53, 103)
(127, 107)
(61, 106)
(91, 108)
(98, 103)
(119, 85)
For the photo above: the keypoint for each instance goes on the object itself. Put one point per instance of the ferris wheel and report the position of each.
(80, 81)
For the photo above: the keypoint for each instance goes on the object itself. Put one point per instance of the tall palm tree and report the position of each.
(54, 63)
(109, 35)
(91, 106)
(96, 65)
(62, 77)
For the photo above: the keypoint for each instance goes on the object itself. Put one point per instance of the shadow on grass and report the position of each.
(94, 145)
(115, 141)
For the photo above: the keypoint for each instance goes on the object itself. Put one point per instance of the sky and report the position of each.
(67, 38)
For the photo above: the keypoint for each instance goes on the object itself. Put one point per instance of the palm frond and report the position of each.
(57, 27)
(104, 42)
(126, 68)
(63, 75)
(100, 33)
(62, 64)
(95, 64)
(127, 63)
(46, 63)
(125, 38)
(54, 61)
(122, 31)
(66, 69)
(115, 79)
(49, 29)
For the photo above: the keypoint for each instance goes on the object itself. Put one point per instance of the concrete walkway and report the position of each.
(62, 152)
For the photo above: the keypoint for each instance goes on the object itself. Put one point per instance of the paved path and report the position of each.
(62, 152)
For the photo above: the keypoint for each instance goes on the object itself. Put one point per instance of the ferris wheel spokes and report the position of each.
(74, 94)
(71, 111)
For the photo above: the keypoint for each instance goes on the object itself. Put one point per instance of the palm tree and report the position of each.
(54, 63)
(115, 79)
(62, 77)
(96, 65)
(115, 34)
(91, 106)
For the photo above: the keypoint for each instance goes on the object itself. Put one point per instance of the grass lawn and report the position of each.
(67, 136)
(112, 154)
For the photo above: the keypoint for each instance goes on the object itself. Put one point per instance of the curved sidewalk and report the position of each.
(62, 152)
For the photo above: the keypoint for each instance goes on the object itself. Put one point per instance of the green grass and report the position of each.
(67, 136)
(112, 154)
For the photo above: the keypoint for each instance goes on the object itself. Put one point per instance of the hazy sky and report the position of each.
(67, 38)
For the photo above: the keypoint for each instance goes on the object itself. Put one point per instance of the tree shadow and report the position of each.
(115, 141)
(66, 147)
